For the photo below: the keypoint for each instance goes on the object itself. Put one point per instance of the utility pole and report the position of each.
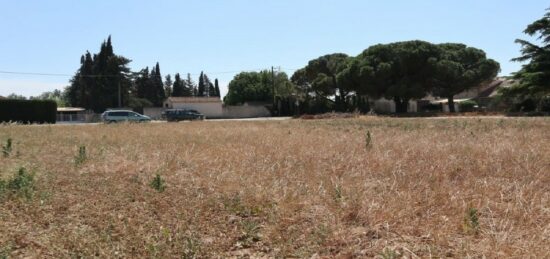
(273, 87)
(119, 95)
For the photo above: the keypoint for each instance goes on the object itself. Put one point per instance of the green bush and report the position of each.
(545, 104)
(467, 106)
(28, 111)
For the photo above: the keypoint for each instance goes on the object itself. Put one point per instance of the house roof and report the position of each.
(194, 100)
(70, 109)
(446, 101)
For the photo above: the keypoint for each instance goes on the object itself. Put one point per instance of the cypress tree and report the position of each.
(168, 85)
(217, 88)
(208, 86)
(96, 84)
(201, 88)
(190, 88)
(158, 87)
(178, 86)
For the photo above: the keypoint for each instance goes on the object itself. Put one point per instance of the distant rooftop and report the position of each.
(70, 109)
(194, 99)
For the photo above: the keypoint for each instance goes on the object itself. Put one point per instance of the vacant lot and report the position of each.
(297, 188)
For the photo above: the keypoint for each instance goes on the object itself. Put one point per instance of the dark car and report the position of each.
(182, 114)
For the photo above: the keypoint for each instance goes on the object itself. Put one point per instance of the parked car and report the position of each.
(123, 115)
(182, 114)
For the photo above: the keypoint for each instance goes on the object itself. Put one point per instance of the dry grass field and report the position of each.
(416, 188)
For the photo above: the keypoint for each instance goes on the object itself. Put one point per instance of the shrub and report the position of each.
(467, 106)
(28, 111)
(525, 105)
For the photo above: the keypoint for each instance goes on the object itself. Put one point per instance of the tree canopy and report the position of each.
(460, 68)
(534, 77)
(96, 84)
(255, 87)
(398, 71)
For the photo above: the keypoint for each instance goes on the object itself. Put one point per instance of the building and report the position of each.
(72, 114)
(211, 107)
(385, 106)
(483, 95)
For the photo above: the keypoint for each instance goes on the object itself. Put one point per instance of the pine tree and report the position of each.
(201, 88)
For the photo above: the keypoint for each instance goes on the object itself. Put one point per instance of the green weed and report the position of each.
(21, 184)
(368, 140)
(7, 148)
(81, 156)
(250, 233)
(158, 183)
(471, 221)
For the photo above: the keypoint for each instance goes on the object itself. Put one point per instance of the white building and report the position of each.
(211, 107)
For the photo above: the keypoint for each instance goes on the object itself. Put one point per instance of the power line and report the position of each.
(32, 73)
(69, 75)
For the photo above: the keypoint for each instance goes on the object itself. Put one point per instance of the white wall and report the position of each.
(154, 112)
(446, 107)
(245, 111)
(210, 110)
(383, 105)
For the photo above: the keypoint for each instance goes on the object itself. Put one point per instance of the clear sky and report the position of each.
(222, 37)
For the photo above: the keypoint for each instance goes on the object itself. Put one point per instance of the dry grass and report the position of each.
(299, 188)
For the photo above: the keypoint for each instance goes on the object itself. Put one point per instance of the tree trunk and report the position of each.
(401, 105)
(451, 102)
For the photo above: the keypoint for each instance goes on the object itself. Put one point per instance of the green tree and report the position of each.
(178, 86)
(158, 86)
(55, 95)
(168, 85)
(249, 86)
(189, 89)
(534, 76)
(201, 91)
(257, 87)
(16, 97)
(143, 84)
(461, 68)
(398, 71)
(97, 82)
(322, 73)
(216, 88)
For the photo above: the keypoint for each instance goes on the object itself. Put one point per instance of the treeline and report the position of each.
(399, 71)
(104, 80)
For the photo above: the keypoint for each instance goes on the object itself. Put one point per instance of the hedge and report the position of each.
(28, 111)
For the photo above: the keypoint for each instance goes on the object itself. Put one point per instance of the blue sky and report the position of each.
(221, 37)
